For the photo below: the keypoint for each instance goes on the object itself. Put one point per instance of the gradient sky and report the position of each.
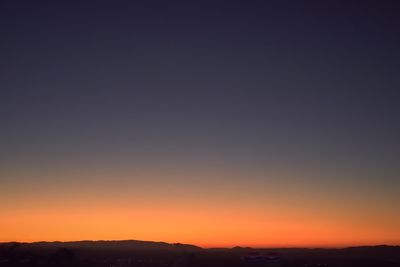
(217, 123)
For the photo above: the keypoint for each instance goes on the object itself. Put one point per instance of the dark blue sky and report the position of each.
(264, 79)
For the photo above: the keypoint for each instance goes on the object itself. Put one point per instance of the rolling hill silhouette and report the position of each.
(114, 245)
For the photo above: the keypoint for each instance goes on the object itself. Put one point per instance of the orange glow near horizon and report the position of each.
(208, 215)
(207, 228)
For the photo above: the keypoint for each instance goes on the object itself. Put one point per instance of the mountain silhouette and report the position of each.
(114, 245)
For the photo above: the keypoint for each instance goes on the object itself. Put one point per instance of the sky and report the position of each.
(215, 123)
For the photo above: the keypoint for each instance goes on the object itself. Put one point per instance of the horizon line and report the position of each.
(211, 247)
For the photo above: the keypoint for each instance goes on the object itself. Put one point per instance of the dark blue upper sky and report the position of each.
(265, 82)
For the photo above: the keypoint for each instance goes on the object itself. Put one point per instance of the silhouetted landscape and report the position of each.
(161, 254)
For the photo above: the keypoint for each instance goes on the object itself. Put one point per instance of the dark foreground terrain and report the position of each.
(159, 254)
